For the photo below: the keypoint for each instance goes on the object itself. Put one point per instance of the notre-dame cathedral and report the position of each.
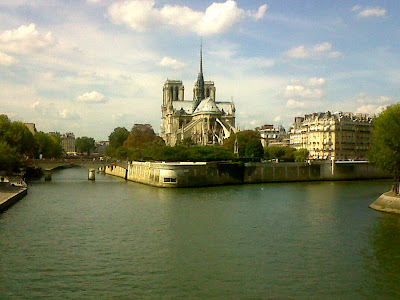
(203, 120)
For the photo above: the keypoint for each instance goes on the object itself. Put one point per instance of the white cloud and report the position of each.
(139, 15)
(259, 14)
(25, 39)
(369, 11)
(7, 60)
(69, 115)
(93, 1)
(92, 97)
(277, 119)
(171, 63)
(372, 104)
(143, 16)
(314, 81)
(36, 104)
(371, 109)
(317, 51)
(364, 98)
(294, 104)
(299, 91)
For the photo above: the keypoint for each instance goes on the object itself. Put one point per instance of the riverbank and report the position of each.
(387, 202)
(10, 195)
(196, 174)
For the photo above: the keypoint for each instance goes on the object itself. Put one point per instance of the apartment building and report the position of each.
(336, 136)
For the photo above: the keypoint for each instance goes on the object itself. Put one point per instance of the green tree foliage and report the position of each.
(254, 149)
(118, 137)
(142, 136)
(188, 153)
(10, 159)
(85, 144)
(385, 148)
(19, 137)
(243, 137)
(143, 144)
(47, 145)
(280, 153)
(301, 155)
(5, 124)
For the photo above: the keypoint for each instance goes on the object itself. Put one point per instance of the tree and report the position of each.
(301, 155)
(118, 137)
(385, 147)
(243, 137)
(142, 136)
(19, 137)
(5, 124)
(85, 144)
(47, 145)
(254, 149)
(10, 160)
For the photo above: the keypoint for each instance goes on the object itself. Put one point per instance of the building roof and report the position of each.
(185, 107)
(207, 105)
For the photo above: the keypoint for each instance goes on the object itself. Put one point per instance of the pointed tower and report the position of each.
(198, 91)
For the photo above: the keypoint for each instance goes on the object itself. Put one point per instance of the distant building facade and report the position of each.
(101, 147)
(203, 120)
(336, 136)
(31, 127)
(68, 142)
(273, 136)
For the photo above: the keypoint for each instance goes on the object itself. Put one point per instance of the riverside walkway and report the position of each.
(10, 195)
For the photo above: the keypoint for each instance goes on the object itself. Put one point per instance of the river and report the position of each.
(76, 239)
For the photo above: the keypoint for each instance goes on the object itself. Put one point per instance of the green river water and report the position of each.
(111, 239)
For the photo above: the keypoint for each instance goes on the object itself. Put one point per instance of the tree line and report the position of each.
(142, 144)
(17, 143)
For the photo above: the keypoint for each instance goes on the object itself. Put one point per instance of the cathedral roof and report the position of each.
(186, 106)
(207, 105)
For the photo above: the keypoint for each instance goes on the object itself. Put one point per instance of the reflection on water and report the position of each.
(382, 257)
(110, 238)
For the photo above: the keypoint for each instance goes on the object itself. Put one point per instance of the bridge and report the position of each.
(48, 165)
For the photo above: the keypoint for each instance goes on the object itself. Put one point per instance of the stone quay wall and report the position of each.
(321, 170)
(9, 197)
(183, 174)
(195, 174)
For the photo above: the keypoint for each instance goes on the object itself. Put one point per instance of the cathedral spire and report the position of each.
(201, 57)
(199, 87)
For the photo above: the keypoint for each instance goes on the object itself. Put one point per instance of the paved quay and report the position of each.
(10, 195)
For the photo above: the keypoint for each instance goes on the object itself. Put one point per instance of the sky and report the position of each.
(89, 66)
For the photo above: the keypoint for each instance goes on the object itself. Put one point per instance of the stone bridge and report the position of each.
(48, 165)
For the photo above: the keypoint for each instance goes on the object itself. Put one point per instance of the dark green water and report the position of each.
(75, 239)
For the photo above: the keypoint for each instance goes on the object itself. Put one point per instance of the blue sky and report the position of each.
(92, 65)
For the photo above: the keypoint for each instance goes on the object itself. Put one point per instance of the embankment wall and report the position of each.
(10, 198)
(190, 174)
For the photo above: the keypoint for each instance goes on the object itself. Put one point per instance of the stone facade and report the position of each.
(273, 136)
(31, 127)
(336, 136)
(68, 142)
(203, 120)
